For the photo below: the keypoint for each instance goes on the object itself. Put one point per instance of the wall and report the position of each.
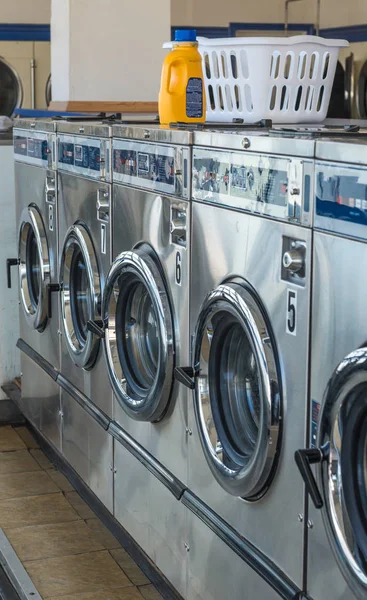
(25, 11)
(334, 13)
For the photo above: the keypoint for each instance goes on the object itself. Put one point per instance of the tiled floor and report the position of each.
(67, 551)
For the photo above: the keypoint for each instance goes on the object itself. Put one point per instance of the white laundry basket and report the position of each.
(287, 80)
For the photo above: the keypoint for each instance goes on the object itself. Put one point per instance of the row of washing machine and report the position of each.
(187, 299)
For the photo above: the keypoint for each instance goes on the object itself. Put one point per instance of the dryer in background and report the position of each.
(145, 318)
(337, 537)
(249, 322)
(84, 248)
(36, 213)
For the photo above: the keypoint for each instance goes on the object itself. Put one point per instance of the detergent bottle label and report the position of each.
(194, 98)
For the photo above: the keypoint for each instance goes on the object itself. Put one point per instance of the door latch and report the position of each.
(11, 262)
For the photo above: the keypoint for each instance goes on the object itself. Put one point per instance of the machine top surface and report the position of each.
(47, 125)
(89, 128)
(154, 132)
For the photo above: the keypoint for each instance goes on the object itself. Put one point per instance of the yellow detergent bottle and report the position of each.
(182, 96)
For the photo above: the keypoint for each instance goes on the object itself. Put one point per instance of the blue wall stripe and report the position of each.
(24, 32)
(353, 33)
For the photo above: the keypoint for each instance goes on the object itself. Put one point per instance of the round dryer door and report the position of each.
(34, 267)
(237, 390)
(342, 472)
(80, 295)
(139, 335)
(11, 89)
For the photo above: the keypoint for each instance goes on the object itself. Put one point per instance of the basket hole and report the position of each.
(275, 65)
(248, 98)
(325, 69)
(273, 98)
(298, 98)
(237, 96)
(244, 64)
(207, 65)
(284, 98)
(321, 98)
(229, 98)
(309, 97)
(224, 65)
(288, 67)
(220, 96)
(314, 65)
(215, 65)
(302, 59)
(234, 66)
(211, 97)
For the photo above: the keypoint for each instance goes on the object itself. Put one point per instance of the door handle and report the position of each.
(304, 459)
(186, 376)
(10, 262)
(97, 328)
(51, 287)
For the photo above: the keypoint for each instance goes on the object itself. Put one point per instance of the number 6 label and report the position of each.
(291, 319)
(178, 269)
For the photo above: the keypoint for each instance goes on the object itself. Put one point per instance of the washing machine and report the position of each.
(249, 325)
(84, 249)
(145, 319)
(337, 533)
(36, 215)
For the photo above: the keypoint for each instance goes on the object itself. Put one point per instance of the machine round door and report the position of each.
(139, 335)
(342, 469)
(34, 268)
(237, 395)
(80, 295)
(11, 96)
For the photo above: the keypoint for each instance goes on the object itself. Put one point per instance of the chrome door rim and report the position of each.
(348, 376)
(154, 404)
(78, 239)
(31, 221)
(252, 480)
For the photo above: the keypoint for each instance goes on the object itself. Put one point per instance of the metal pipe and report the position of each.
(318, 17)
(286, 10)
(33, 83)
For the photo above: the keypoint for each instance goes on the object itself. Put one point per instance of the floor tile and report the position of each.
(134, 573)
(17, 485)
(60, 480)
(36, 510)
(130, 593)
(17, 461)
(41, 458)
(149, 592)
(47, 541)
(9, 440)
(27, 437)
(74, 574)
(103, 534)
(80, 506)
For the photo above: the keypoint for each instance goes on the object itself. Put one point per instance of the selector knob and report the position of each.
(293, 260)
(103, 201)
(178, 225)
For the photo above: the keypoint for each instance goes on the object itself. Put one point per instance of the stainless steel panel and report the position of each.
(40, 400)
(95, 129)
(47, 125)
(339, 312)
(144, 217)
(78, 198)
(88, 448)
(255, 140)
(215, 572)
(152, 132)
(152, 516)
(344, 149)
(228, 244)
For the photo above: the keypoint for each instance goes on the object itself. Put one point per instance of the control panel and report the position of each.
(157, 167)
(341, 199)
(34, 148)
(273, 186)
(84, 156)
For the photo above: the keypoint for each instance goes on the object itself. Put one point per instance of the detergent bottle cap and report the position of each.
(185, 35)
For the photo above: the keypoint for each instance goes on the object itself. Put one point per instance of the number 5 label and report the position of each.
(291, 318)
